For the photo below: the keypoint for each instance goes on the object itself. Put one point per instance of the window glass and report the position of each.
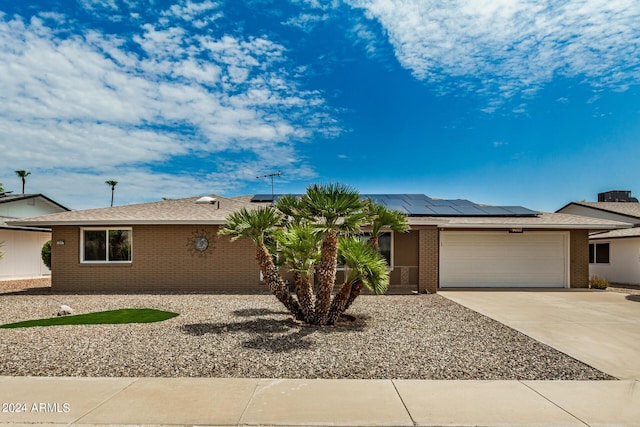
(95, 245)
(602, 253)
(592, 253)
(106, 245)
(384, 242)
(119, 245)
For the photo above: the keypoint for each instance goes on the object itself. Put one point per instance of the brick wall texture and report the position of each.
(579, 259)
(163, 259)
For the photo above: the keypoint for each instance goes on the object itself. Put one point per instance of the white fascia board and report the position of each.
(118, 222)
(538, 226)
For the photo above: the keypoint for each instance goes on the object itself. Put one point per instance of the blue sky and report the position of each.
(505, 102)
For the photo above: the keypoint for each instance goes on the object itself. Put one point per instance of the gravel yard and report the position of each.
(417, 337)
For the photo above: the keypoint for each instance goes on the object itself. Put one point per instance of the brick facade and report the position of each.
(579, 262)
(428, 250)
(162, 260)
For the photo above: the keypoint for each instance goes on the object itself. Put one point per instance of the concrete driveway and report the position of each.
(601, 329)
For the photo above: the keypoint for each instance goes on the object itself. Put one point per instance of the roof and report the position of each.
(631, 209)
(7, 198)
(187, 211)
(177, 211)
(5, 226)
(543, 220)
(617, 234)
(422, 205)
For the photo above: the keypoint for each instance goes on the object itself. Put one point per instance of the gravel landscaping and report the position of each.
(415, 337)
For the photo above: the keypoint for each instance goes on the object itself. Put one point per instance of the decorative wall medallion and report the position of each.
(200, 242)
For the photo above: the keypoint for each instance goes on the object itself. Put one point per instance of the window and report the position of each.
(384, 243)
(598, 253)
(106, 245)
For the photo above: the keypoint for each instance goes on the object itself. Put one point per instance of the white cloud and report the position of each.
(84, 108)
(513, 47)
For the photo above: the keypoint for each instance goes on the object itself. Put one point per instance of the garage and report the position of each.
(489, 259)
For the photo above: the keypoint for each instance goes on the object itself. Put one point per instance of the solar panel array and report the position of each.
(421, 205)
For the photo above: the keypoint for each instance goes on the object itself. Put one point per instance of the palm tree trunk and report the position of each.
(327, 273)
(304, 291)
(355, 293)
(338, 305)
(373, 241)
(112, 191)
(274, 282)
(24, 181)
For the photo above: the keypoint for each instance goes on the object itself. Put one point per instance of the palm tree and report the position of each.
(334, 209)
(299, 248)
(257, 225)
(22, 174)
(113, 188)
(382, 220)
(364, 266)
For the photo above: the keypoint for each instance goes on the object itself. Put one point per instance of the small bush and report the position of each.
(46, 254)
(597, 282)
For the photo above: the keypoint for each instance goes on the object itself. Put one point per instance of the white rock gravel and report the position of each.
(415, 337)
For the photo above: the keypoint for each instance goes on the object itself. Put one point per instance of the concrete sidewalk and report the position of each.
(601, 329)
(253, 402)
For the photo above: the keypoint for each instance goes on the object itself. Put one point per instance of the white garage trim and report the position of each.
(502, 259)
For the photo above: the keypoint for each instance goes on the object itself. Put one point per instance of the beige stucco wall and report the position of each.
(161, 260)
(624, 261)
(22, 257)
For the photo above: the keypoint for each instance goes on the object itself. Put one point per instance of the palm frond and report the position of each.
(364, 264)
(254, 224)
(384, 219)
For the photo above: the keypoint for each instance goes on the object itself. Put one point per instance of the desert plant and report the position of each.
(45, 253)
(306, 235)
(597, 282)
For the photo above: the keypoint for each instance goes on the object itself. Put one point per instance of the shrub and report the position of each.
(597, 282)
(46, 254)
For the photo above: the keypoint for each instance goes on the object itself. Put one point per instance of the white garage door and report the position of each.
(502, 259)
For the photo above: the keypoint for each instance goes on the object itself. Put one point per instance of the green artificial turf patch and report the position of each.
(125, 315)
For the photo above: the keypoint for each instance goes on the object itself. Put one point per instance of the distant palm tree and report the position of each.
(23, 176)
(113, 188)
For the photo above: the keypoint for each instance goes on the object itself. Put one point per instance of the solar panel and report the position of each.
(422, 205)
(444, 210)
(519, 210)
(262, 198)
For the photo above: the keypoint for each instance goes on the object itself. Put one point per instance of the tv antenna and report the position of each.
(270, 175)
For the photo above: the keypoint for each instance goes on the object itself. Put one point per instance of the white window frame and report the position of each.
(106, 230)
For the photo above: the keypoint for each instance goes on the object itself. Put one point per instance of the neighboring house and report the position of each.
(614, 255)
(22, 245)
(174, 245)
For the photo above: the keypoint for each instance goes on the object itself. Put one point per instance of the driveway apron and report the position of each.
(601, 329)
